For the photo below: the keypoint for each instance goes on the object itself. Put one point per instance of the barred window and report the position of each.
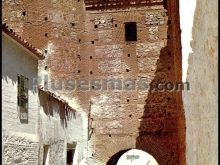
(22, 98)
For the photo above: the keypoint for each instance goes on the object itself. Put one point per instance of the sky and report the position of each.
(187, 9)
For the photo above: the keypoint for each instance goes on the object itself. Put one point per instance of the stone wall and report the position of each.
(20, 148)
(201, 102)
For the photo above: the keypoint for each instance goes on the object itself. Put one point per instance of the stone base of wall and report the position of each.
(20, 149)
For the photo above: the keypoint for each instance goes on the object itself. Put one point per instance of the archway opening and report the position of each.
(114, 159)
(132, 157)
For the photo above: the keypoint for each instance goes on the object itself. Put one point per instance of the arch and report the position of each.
(114, 159)
(137, 157)
(132, 157)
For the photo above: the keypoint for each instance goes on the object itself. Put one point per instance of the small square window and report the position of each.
(24, 13)
(131, 31)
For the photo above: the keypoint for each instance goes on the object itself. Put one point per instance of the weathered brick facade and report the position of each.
(90, 45)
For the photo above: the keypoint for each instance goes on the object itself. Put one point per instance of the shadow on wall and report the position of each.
(7, 59)
(158, 131)
(14, 61)
(53, 107)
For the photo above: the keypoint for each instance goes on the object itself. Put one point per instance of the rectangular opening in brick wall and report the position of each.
(130, 31)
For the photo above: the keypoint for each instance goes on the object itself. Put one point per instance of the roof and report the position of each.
(57, 98)
(22, 42)
(107, 4)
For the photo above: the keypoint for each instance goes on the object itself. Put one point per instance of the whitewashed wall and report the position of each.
(20, 141)
(55, 134)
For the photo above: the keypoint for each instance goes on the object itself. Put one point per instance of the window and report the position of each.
(131, 31)
(70, 153)
(22, 98)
